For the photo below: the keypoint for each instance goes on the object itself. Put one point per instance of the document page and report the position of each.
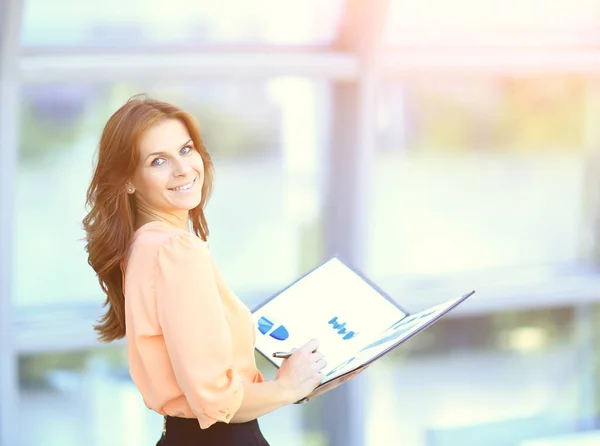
(391, 337)
(333, 304)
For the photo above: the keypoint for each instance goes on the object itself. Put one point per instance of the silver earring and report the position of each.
(130, 190)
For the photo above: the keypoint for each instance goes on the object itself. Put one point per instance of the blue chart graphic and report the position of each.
(401, 327)
(341, 329)
(265, 326)
(342, 365)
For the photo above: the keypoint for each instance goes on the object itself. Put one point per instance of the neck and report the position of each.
(180, 221)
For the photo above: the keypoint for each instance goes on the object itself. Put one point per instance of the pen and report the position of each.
(284, 355)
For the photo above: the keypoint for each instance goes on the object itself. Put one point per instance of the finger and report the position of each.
(311, 345)
(316, 356)
(321, 364)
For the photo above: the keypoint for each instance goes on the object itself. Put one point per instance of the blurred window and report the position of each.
(477, 172)
(496, 380)
(136, 23)
(490, 23)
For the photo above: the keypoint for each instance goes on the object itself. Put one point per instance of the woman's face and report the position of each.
(170, 173)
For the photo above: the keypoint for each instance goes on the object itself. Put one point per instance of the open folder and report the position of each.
(355, 322)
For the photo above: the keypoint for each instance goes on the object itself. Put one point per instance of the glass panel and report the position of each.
(87, 397)
(265, 138)
(485, 22)
(118, 24)
(475, 173)
(497, 380)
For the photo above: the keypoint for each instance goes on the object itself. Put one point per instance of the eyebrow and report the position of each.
(180, 147)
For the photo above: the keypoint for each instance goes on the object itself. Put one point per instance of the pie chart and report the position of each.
(265, 326)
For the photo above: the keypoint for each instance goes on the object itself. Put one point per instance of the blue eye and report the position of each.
(156, 162)
(185, 150)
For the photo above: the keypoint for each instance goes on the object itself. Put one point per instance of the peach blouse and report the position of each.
(190, 340)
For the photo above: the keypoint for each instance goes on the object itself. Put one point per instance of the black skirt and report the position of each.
(186, 432)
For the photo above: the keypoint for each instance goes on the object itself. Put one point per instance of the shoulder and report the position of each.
(162, 241)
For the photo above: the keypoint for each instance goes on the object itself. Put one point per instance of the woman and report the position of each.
(190, 340)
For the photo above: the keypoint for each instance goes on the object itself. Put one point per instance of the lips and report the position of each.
(183, 187)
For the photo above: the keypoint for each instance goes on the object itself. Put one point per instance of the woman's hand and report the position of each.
(301, 373)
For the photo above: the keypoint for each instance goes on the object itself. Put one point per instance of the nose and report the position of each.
(180, 168)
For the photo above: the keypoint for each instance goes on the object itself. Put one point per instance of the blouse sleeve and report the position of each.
(196, 333)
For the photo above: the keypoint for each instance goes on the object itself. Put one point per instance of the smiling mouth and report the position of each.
(183, 186)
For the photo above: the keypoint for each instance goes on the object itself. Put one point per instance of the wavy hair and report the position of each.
(110, 222)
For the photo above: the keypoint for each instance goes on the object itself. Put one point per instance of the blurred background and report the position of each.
(439, 146)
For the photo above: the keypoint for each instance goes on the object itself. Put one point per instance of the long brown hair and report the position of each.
(110, 222)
